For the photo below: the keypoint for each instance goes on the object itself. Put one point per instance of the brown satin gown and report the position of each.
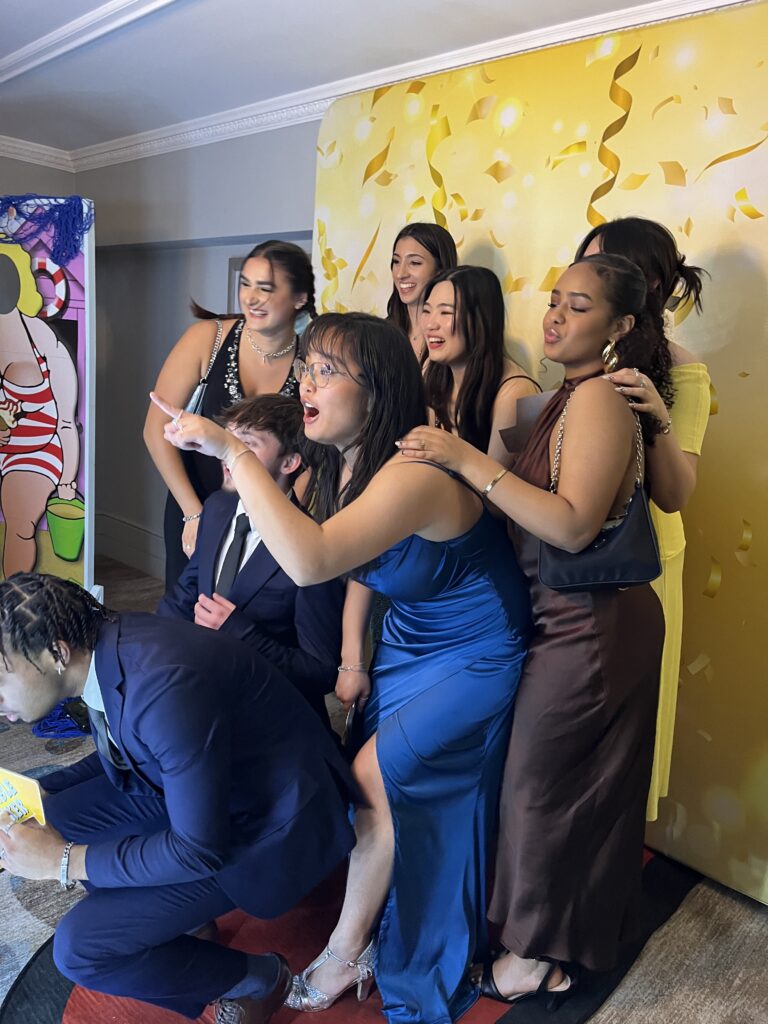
(578, 769)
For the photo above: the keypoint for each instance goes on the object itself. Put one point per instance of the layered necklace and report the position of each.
(265, 355)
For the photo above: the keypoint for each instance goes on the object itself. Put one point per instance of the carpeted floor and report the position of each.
(705, 964)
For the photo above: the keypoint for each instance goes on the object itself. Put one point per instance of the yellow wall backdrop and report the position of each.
(518, 158)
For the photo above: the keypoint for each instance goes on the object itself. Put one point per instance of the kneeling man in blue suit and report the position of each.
(214, 786)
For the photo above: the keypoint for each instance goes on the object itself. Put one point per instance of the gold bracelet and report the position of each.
(489, 487)
(229, 465)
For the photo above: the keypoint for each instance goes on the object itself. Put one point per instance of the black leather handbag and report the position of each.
(624, 554)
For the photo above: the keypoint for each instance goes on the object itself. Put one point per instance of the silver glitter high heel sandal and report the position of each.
(304, 996)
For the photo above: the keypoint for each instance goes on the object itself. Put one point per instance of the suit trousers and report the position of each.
(132, 941)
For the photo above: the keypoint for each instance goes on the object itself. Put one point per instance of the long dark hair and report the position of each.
(37, 611)
(295, 264)
(379, 357)
(440, 245)
(653, 248)
(645, 347)
(479, 318)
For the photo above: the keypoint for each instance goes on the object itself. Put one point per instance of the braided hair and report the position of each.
(38, 611)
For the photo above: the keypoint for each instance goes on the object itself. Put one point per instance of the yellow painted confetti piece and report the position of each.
(551, 278)
(500, 171)
(688, 227)
(633, 181)
(331, 265)
(366, 254)
(746, 207)
(702, 663)
(461, 204)
(379, 93)
(746, 536)
(415, 88)
(481, 109)
(414, 208)
(714, 404)
(654, 54)
(477, 215)
(572, 150)
(730, 213)
(514, 284)
(606, 156)
(715, 578)
(742, 374)
(726, 105)
(385, 178)
(659, 106)
(485, 76)
(674, 172)
(496, 242)
(377, 162)
(734, 154)
(439, 131)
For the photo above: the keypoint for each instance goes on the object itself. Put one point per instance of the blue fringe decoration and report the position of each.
(57, 724)
(69, 219)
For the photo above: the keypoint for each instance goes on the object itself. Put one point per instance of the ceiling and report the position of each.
(81, 74)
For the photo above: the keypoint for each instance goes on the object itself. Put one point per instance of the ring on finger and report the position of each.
(423, 445)
(641, 383)
(636, 371)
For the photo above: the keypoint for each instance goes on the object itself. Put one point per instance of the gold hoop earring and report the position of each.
(609, 355)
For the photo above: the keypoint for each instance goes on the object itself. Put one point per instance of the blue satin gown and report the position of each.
(444, 680)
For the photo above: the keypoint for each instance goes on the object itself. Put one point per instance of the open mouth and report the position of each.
(310, 412)
(434, 343)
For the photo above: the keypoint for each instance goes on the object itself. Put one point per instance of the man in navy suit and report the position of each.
(214, 787)
(233, 584)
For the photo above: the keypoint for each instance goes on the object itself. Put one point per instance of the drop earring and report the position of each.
(609, 356)
(59, 668)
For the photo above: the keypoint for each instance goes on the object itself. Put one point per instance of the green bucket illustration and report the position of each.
(66, 525)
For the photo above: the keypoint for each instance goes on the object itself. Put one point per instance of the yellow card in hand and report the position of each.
(21, 796)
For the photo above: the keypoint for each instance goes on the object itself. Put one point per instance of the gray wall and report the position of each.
(166, 228)
(17, 177)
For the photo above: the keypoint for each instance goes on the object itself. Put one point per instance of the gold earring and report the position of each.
(609, 356)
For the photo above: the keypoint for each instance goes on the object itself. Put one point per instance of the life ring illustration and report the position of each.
(47, 268)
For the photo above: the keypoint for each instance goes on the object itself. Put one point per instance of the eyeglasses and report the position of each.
(319, 373)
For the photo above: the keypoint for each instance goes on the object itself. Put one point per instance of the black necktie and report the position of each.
(234, 556)
(104, 744)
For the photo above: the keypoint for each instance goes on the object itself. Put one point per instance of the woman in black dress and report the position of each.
(255, 357)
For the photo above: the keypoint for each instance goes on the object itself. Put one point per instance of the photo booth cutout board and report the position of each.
(51, 438)
(519, 158)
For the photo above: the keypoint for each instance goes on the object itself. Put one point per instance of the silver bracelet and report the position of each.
(232, 461)
(667, 426)
(351, 668)
(188, 519)
(64, 880)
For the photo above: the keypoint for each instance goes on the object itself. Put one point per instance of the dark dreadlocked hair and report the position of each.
(37, 611)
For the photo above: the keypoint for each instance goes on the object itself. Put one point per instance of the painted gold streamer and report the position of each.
(659, 106)
(366, 254)
(496, 242)
(514, 284)
(742, 548)
(733, 155)
(551, 278)
(572, 150)
(439, 131)
(714, 404)
(607, 157)
(331, 265)
(715, 578)
(376, 164)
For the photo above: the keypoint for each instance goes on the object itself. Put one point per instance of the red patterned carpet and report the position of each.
(42, 996)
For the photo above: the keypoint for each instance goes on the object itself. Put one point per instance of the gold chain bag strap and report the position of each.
(625, 553)
(195, 403)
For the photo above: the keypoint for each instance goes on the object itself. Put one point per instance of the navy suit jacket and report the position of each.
(254, 789)
(297, 629)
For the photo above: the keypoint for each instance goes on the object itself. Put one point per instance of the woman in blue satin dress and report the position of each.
(444, 677)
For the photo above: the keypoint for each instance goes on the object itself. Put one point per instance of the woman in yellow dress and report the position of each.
(673, 459)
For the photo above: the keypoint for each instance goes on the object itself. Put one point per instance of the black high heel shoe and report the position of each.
(552, 998)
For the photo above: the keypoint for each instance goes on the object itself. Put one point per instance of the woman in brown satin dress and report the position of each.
(577, 773)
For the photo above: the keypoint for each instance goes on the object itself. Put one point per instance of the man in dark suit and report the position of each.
(233, 584)
(214, 787)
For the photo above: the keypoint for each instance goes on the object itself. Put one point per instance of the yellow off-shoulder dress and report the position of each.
(690, 414)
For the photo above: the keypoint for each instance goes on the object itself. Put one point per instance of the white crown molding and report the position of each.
(77, 33)
(32, 153)
(310, 104)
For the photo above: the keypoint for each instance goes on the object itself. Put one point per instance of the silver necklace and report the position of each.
(266, 356)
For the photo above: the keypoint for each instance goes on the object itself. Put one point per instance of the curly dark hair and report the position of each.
(38, 611)
(645, 346)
